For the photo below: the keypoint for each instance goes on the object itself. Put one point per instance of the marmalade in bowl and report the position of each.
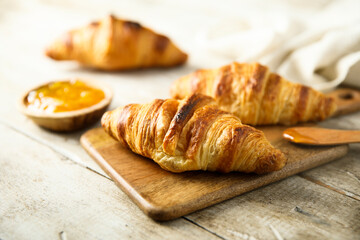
(63, 96)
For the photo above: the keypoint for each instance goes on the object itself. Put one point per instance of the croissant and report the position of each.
(255, 95)
(114, 44)
(192, 134)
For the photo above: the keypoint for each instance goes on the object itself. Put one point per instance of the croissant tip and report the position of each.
(182, 58)
(185, 57)
(49, 53)
(104, 119)
(271, 163)
(52, 54)
(333, 106)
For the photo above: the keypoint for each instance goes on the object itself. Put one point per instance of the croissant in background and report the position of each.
(114, 44)
(255, 95)
(192, 134)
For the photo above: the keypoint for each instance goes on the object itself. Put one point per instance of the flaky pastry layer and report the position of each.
(256, 95)
(192, 134)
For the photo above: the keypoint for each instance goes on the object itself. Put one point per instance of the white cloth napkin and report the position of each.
(320, 48)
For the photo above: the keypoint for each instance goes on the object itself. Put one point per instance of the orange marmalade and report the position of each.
(63, 96)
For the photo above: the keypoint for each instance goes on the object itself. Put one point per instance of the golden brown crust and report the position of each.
(204, 118)
(224, 81)
(115, 44)
(181, 118)
(192, 134)
(255, 95)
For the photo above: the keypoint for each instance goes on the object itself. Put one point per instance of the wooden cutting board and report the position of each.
(163, 195)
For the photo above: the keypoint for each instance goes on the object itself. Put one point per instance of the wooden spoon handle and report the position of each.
(321, 136)
(346, 99)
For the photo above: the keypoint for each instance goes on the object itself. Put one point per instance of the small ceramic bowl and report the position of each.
(71, 120)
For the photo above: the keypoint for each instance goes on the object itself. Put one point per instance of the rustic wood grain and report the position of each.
(342, 176)
(294, 207)
(43, 195)
(164, 195)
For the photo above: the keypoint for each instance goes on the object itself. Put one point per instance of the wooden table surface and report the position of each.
(51, 189)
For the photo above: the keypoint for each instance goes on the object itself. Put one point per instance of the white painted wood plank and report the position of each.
(295, 208)
(342, 175)
(43, 194)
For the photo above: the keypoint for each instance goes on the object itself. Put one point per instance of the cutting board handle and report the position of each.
(347, 100)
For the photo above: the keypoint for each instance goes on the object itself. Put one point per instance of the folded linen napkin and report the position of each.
(321, 50)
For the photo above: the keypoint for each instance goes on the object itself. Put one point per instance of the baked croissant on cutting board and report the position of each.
(256, 95)
(192, 134)
(114, 44)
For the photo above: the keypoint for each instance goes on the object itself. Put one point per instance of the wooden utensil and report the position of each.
(321, 136)
(346, 99)
(71, 120)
